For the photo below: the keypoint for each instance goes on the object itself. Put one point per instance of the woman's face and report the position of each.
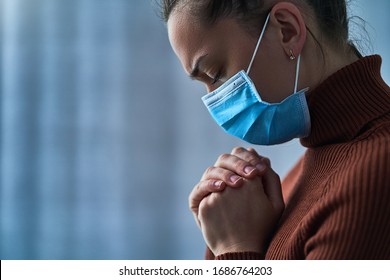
(214, 54)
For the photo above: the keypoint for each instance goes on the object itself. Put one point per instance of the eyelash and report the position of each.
(216, 78)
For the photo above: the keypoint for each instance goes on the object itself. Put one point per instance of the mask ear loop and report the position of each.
(258, 44)
(297, 73)
(257, 47)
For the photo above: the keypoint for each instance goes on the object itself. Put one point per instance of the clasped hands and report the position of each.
(237, 202)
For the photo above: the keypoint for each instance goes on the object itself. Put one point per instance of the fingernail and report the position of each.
(218, 184)
(261, 166)
(249, 169)
(235, 178)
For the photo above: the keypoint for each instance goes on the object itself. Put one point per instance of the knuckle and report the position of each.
(213, 199)
(227, 174)
(254, 160)
(267, 161)
(208, 186)
(240, 164)
(254, 154)
(252, 150)
(209, 170)
(238, 150)
(197, 188)
(223, 157)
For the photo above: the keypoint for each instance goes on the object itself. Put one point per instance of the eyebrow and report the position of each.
(195, 69)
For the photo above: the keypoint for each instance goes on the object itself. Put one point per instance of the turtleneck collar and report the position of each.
(346, 101)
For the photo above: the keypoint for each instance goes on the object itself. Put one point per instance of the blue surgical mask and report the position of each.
(237, 107)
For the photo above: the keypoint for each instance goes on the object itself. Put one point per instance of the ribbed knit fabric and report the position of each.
(338, 194)
(240, 256)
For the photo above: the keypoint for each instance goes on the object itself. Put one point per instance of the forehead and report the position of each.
(224, 40)
(188, 37)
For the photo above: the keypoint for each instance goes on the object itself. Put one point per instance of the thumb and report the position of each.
(273, 188)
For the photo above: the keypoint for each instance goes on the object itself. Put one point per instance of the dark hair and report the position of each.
(249, 13)
(331, 15)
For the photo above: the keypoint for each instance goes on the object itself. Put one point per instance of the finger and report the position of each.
(251, 156)
(273, 189)
(267, 160)
(264, 159)
(203, 189)
(222, 174)
(237, 165)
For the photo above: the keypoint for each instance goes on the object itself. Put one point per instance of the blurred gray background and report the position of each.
(102, 134)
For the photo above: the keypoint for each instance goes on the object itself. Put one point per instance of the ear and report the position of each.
(287, 18)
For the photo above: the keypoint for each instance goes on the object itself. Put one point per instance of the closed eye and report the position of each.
(216, 78)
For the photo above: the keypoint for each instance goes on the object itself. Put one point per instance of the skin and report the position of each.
(238, 201)
(238, 218)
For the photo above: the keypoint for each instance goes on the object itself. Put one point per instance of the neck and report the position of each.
(326, 61)
(338, 60)
(347, 103)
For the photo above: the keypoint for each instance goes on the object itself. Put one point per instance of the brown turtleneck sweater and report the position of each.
(338, 194)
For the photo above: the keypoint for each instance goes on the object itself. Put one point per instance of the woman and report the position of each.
(309, 82)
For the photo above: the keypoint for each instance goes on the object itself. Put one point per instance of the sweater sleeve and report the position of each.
(234, 256)
(354, 220)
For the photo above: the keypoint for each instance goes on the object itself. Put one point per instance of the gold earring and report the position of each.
(292, 56)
